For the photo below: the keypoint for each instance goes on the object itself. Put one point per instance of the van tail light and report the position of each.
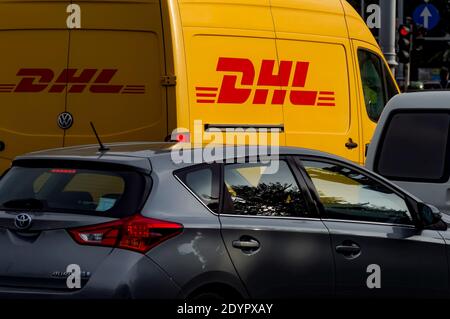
(136, 233)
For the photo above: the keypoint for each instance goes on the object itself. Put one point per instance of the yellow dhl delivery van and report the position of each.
(140, 68)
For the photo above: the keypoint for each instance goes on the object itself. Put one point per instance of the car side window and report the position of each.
(259, 189)
(350, 195)
(203, 182)
(378, 86)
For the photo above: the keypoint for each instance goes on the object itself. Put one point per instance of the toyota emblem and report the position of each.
(23, 221)
(65, 120)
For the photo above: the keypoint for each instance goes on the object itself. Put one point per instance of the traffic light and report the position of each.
(404, 43)
(420, 32)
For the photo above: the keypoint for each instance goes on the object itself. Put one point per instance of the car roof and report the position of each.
(420, 100)
(139, 153)
(133, 154)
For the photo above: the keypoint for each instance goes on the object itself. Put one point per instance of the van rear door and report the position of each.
(34, 45)
(116, 61)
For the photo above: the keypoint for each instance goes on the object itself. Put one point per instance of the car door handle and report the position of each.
(248, 244)
(350, 144)
(245, 244)
(348, 249)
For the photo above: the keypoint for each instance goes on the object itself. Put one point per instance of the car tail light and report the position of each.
(136, 233)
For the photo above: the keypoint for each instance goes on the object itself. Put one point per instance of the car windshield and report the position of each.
(78, 190)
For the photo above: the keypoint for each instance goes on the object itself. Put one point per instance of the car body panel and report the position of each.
(123, 274)
(411, 262)
(295, 252)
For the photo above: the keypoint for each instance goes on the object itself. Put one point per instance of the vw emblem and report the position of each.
(65, 120)
(23, 221)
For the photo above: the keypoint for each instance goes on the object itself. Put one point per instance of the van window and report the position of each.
(391, 87)
(415, 147)
(378, 86)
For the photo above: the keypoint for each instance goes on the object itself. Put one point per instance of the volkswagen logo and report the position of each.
(65, 120)
(23, 221)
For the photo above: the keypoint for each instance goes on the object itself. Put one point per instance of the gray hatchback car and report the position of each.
(130, 222)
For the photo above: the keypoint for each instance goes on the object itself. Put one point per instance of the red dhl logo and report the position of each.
(36, 80)
(230, 93)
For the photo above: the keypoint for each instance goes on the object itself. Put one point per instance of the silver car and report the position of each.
(130, 222)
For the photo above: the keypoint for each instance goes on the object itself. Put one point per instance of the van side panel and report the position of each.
(229, 14)
(361, 37)
(212, 98)
(357, 28)
(231, 57)
(321, 111)
(120, 52)
(328, 117)
(34, 52)
(309, 17)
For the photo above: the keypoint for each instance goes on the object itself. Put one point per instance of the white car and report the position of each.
(411, 146)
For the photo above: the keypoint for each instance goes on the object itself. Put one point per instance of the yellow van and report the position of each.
(140, 68)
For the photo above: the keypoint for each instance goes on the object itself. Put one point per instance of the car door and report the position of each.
(377, 249)
(279, 246)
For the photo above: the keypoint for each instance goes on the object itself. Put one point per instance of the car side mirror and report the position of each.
(430, 216)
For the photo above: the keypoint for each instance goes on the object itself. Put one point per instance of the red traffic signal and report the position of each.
(404, 43)
(404, 31)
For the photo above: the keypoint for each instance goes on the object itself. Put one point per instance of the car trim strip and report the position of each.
(366, 222)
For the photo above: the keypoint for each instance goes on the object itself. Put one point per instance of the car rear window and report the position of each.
(415, 147)
(111, 193)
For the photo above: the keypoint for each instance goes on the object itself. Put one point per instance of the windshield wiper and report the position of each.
(25, 203)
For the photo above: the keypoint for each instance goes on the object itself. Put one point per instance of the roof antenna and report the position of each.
(102, 147)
